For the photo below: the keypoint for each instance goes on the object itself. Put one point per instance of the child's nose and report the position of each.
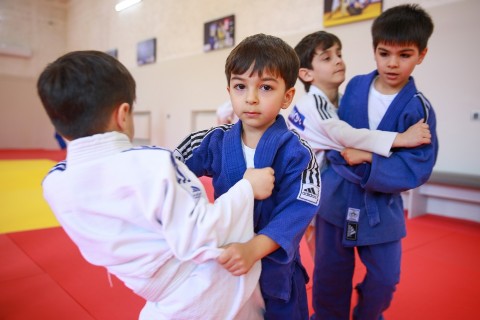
(393, 62)
(252, 97)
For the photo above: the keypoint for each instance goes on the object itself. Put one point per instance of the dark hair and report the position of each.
(265, 53)
(81, 89)
(404, 24)
(307, 47)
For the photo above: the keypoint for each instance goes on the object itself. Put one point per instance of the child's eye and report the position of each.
(405, 55)
(239, 86)
(383, 54)
(266, 87)
(326, 59)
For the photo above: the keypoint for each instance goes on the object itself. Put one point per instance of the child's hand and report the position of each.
(261, 180)
(236, 259)
(355, 156)
(416, 135)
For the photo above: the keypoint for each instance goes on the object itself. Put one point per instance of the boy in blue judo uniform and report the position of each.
(362, 207)
(261, 73)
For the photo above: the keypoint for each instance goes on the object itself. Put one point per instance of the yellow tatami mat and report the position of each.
(22, 206)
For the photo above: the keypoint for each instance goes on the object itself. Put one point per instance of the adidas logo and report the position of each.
(351, 232)
(196, 192)
(309, 193)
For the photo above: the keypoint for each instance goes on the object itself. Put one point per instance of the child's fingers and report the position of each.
(229, 264)
(224, 257)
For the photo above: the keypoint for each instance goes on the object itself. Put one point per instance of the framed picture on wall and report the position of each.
(147, 51)
(337, 12)
(112, 52)
(219, 34)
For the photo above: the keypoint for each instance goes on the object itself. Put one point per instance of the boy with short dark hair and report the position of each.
(362, 206)
(137, 211)
(261, 73)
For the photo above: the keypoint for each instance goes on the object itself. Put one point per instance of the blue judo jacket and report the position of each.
(285, 215)
(365, 199)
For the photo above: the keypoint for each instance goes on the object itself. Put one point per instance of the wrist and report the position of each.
(262, 246)
(398, 141)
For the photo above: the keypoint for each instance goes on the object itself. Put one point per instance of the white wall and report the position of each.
(37, 26)
(185, 79)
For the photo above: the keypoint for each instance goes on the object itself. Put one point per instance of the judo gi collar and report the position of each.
(97, 146)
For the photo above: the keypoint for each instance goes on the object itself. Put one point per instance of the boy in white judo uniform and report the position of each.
(139, 212)
(261, 73)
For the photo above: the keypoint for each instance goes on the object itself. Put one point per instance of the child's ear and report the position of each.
(305, 74)
(422, 55)
(288, 98)
(122, 116)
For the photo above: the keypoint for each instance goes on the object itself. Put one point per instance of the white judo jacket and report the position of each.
(316, 120)
(145, 217)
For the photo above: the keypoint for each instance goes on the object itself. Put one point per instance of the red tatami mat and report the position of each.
(12, 154)
(440, 275)
(39, 297)
(15, 263)
(43, 276)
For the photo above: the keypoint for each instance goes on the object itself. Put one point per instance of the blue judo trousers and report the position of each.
(362, 207)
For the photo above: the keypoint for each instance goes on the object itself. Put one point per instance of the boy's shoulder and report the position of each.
(60, 166)
(57, 168)
(147, 148)
(216, 131)
(204, 140)
(299, 141)
(279, 138)
(315, 97)
(312, 100)
(366, 78)
(295, 147)
(313, 105)
(426, 105)
(147, 152)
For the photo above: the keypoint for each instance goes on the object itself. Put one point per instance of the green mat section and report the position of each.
(22, 206)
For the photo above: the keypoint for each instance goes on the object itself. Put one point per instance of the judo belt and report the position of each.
(370, 203)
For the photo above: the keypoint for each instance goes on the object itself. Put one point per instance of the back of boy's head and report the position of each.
(265, 53)
(405, 24)
(81, 90)
(307, 48)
